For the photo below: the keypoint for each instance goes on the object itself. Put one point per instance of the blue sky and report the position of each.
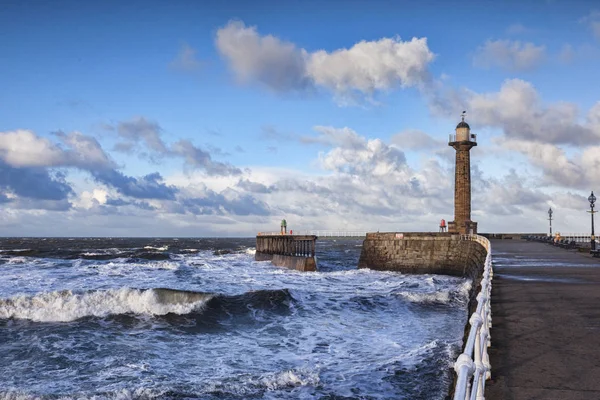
(220, 118)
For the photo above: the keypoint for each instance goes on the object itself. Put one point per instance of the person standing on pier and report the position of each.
(283, 227)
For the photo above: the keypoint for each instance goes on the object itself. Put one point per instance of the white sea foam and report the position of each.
(289, 379)
(18, 260)
(65, 305)
(124, 266)
(163, 248)
(123, 394)
(436, 297)
(439, 295)
(344, 330)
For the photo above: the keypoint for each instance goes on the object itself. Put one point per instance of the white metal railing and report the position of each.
(320, 233)
(578, 237)
(473, 366)
(471, 138)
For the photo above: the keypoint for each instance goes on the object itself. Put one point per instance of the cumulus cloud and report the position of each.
(556, 166)
(375, 158)
(23, 148)
(363, 183)
(121, 202)
(254, 187)
(364, 68)
(139, 134)
(186, 60)
(279, 65)
(371, 66)
(146, 187)
(509, 55)
(227, 202)
(509, 195)
(31, 167)
(519, 111)
(140, 131)
(34, 182)
(197, 158)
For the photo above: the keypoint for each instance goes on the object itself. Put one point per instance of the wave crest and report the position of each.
(454, 295)
(65, 305)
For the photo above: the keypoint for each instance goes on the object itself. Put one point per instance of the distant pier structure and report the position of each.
(462, 141)
(290, 251)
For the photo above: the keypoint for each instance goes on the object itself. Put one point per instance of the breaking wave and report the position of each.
(246, 386)
(452, 295)
(65, 305)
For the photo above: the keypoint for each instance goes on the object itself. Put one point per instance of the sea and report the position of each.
(198, 318)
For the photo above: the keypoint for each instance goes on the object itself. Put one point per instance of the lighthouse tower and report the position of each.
(462, 141)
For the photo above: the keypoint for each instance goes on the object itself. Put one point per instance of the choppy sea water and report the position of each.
(200, 319)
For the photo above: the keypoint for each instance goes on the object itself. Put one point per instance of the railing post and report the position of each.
(473, 372)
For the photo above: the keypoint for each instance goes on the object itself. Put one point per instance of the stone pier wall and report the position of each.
(423, 253)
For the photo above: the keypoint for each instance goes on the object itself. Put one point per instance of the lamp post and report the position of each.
(550, 219)
(592, 200)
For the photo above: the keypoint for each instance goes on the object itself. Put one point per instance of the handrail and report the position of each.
(473, 372)
(320, 233)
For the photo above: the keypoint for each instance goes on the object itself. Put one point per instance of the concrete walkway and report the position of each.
(546, 323)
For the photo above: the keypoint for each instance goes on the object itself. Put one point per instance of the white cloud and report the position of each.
(23, 148)
(364, 68)
(509, 55)
(556, 166)
(518, 109)
(139, 134)
(266, 59)
(91, 199)
(371, 66)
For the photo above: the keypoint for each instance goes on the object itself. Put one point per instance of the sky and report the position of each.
(155, 118)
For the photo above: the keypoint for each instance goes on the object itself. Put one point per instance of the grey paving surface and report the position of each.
(546, 323)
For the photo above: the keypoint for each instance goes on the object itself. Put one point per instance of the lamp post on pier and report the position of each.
(592, 200)
(550, 219)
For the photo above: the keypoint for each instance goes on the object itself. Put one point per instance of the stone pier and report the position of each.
(423, 253)
(290, 251)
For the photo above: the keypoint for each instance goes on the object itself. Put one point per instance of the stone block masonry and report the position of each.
(423, 253)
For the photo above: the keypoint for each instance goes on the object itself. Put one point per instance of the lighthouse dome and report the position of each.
(463, 124)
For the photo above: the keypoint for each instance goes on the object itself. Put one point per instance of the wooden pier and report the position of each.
(290, 251)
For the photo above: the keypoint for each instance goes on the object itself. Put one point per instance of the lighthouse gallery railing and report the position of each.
(473, 365)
